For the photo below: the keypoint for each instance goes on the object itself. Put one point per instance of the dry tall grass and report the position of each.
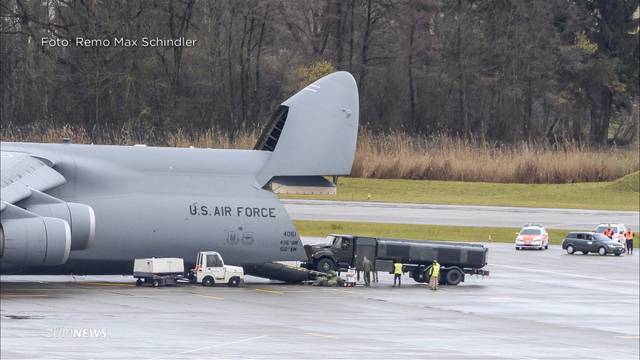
(399, 155)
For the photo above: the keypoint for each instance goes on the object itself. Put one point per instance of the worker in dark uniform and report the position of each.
(375, 272)
(397, 273)
(357, 269)
(366, 268)
(629, 241)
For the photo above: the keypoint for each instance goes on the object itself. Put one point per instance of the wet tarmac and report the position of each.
(535, 305)
(462, 215)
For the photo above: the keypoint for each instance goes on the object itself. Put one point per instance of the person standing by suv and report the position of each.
(629, 240)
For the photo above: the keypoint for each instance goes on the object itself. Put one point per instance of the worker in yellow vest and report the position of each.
(629, 237)
(434, 275)
(397, 273)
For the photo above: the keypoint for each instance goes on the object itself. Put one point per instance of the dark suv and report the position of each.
(587, 242)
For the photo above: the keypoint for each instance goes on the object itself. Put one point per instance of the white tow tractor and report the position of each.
(210, 269)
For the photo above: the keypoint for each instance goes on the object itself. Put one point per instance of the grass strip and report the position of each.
(420, 232)
(622, 194)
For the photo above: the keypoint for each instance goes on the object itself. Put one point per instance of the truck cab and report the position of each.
(210, 269)
(336, 253)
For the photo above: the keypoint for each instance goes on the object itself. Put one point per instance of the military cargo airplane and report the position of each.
(91, 209)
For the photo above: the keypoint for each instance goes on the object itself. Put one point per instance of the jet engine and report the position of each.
(35, 241)
(80, 218)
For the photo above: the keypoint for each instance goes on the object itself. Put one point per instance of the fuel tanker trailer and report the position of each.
(341, 252)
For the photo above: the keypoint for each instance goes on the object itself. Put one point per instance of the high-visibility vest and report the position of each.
(629, 235)
(397, 269)
(435, 270)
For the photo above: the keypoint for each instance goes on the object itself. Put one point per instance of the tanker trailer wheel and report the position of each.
(454, 276)
(208, 281)
(325, 265)
(156, 283)
(139, 282)
(419, 276)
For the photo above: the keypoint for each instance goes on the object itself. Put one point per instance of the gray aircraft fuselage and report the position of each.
(167, 202)
(95, 208)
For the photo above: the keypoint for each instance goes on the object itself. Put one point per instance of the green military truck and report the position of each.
(341, 252)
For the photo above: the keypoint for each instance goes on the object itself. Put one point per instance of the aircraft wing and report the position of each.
(20, 173)
(35, 227)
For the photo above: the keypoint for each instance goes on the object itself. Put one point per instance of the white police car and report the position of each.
(532, 236)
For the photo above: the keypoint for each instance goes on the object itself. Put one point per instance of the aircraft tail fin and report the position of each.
(314, 132)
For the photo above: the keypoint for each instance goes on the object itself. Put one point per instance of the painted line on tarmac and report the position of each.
(40, 289)
(271, 291)
(24, 295)
(175, 355)
(208, 296)
(106, 284)
(320, 335)
(566, 274)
